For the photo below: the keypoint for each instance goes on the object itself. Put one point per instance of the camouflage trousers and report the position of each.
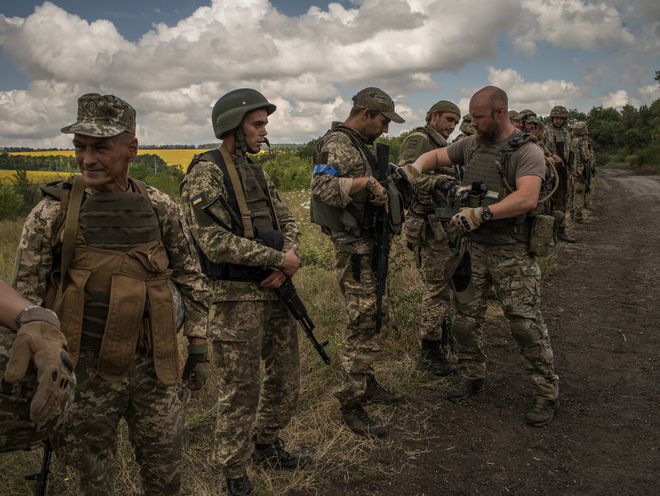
(515, 276)
(251, 408)
(578, 198)
(560, 198)
(362, 344)
(436, 300)
(153, 413)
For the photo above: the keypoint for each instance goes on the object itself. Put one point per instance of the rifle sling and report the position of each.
(246, 216)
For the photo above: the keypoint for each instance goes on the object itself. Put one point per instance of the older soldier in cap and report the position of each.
(426, 236)
(558, 141)
(247, 241)
(344, 197)
(496, 226)
(111, 255)
(36, 372)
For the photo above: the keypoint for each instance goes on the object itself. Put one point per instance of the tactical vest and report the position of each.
(264, 226)
(491, 165)
(357, 217)
(113, 295)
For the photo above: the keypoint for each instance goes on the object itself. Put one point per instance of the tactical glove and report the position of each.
(378, 193)
(39, 339)
(468, 218)
(443, 183)
(197, 368)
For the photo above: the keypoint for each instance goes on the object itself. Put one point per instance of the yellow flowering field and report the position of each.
(180, 156)
(39, 177)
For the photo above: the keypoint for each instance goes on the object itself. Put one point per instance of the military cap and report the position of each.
(376, 99)
(443, 106)
(513, 114)
(535, 120)
(523, 115)
(102, 116)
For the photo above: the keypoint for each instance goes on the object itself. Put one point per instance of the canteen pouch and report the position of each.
(541, 237)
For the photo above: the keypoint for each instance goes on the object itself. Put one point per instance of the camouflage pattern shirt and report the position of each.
(554, 136)
(344, 161)
(35, 260)
(199, 188)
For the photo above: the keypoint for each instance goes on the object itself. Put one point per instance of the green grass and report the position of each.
(316, 426)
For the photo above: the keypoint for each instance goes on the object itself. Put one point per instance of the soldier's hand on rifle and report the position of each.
(378, 193)
(197, 368)
(468, 218)
(274, 280)
(291, 262)
(39, 340)
(557, 160)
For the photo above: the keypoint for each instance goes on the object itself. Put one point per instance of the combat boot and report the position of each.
(357, 420)
(542, 412)
(564, 236)
(274, 455)
(432, 359)
(239, 487)
(375, 393)
(464, 388)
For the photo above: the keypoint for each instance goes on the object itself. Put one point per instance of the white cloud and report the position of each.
(570, 24)
(617, 99)
(309, 65)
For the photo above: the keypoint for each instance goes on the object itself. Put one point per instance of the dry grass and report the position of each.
(316, 427)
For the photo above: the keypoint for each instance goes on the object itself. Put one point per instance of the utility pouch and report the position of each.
(541, 237)
(415, 230)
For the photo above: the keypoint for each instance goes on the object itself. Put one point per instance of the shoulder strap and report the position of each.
(71, 222)
(246, 216)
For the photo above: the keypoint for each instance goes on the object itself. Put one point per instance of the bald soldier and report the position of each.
(426, 236)
(113, 258)
(495, 248)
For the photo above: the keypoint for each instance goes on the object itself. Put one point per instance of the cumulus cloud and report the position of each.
(309, 65)
(617, 99)
(570, 24)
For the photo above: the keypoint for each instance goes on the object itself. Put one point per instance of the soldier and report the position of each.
(557, 140)
(110, 255)
(516, 120)
(495, 248)
(247, 241)
(466, 129)
(32, 402)
(426, 236)
(344, 194)
(582, 169)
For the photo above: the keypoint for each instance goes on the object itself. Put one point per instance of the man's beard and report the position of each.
(487, 136)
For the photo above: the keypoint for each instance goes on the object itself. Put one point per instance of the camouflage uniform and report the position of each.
(249, 323)
(353, 261)
(466, 128)
(501, 260)
(426, 235)
(558, 140)
(151, 409)
(582, 169)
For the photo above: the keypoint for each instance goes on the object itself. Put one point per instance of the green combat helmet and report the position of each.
(229, 111)
(466, 126)
(559, 111)
(580, 128)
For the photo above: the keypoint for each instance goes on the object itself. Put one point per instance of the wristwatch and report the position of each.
(33, 313)
(486, 214)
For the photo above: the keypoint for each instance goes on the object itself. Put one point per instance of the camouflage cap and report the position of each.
(513, 114)
(376, 99)
(443, 106)
(523, 115)
(534, 120)
(102, 116)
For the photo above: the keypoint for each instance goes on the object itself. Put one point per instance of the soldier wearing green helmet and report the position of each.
(582, 169)
(247, 240)
(427, 238)
(466, 128)
(558, 141)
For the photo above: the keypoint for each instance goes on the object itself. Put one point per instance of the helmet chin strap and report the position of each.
(241, 141)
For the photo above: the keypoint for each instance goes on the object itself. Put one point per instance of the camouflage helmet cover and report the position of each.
(559, 111)
(580, 128)
(17, 431)
(230, 109)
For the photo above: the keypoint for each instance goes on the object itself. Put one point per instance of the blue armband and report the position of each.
(320, 169)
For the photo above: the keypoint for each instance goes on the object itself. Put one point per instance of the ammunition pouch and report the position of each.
(541, 236)
(415, 230)
(226, 271)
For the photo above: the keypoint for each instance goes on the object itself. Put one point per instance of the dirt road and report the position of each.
(602, 306)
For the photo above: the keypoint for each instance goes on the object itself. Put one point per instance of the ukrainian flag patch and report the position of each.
(197, 199)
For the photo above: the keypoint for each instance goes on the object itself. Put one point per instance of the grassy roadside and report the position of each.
(339, 455)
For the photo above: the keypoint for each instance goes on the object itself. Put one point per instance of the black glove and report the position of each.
(197, 368)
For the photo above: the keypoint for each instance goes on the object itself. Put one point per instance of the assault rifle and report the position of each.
(381, 231)
(41, 478)
(286, 292)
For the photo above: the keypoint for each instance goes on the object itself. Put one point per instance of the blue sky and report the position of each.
(173, 59)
